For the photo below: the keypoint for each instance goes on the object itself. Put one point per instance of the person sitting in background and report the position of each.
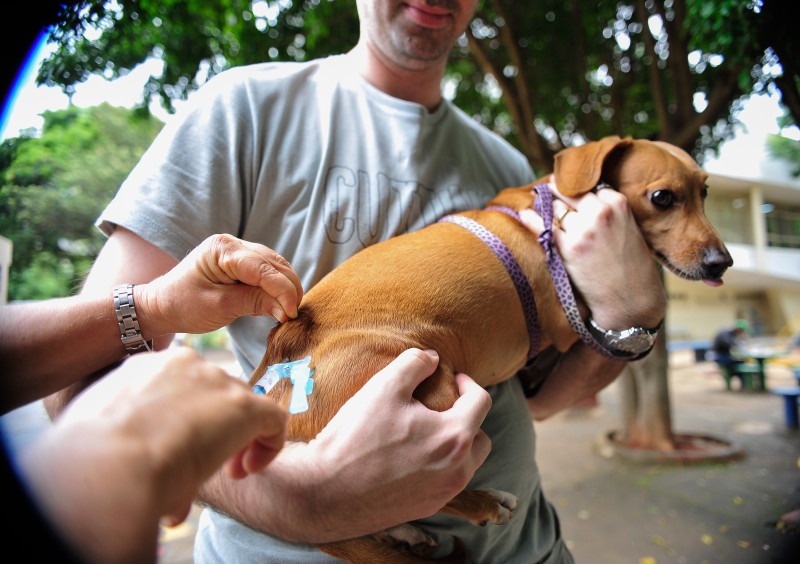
(724, 346)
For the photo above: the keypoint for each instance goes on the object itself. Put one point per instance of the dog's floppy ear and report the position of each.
(577, 169)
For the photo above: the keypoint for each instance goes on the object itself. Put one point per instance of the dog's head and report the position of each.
(666, 190)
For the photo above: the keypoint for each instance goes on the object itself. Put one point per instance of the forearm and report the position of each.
(292, 499)
(580, 374)
(54, 344)
(382, 460)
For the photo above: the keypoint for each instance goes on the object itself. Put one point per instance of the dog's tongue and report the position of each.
(713, 283)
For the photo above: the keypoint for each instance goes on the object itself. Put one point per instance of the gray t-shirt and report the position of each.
(314, 162)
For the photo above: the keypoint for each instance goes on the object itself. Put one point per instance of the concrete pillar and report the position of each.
(759, 225)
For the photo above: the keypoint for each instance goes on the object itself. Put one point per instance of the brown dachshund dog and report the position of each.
(428, 289)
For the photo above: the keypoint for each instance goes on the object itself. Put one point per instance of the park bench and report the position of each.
(790, 396)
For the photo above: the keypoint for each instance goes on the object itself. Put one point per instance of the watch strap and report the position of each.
(125, 309)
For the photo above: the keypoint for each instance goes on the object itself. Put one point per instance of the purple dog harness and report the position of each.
(514, 271)
(544, 207)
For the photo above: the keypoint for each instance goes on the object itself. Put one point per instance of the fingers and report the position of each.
(264, 424)
(591, 202)
(178, 514)
(277, 278)
(259, 267)
(472, 406)
(562, 207)
(560, 212)
(253, 279)
(582, 212)
(408, 370)
(473, 400)
(270, 440)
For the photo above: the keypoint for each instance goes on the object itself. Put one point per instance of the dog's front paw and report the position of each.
(418, 542)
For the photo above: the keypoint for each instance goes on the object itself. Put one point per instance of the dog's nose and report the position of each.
(716, 262)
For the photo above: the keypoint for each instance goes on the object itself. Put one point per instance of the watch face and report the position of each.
(635, 343)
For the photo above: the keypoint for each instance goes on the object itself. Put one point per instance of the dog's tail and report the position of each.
(288, 341)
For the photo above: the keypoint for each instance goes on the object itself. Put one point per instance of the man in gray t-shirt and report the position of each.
(316, 161)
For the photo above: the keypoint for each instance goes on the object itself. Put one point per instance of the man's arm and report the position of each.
(384, 459)
(222, 279)
(611, 267)
(580, 374)
(116, 461)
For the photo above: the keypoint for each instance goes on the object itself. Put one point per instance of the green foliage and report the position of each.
(196, 39)
(571, 71)
(544, 74)
(787, 149)
(216, 340)
(53, 188)
(566, 71)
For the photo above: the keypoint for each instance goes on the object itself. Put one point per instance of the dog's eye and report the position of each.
(662, 198)
(704, 193)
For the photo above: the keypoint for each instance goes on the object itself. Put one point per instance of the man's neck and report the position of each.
(421, 86)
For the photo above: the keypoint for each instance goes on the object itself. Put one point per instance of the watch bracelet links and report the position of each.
(125, 309)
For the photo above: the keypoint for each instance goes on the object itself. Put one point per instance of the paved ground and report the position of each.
(614, 511)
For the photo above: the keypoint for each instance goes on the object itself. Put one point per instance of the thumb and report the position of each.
(409, 369)
(255, 301)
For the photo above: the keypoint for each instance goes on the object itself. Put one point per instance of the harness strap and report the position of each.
(544, 207)
(502, 252)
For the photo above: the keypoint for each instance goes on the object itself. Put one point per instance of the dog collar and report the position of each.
(543, 205)
(511, 265)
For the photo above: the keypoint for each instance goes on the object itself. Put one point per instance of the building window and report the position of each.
(730, 216)
(783, 226)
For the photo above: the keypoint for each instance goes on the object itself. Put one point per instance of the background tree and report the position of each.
(52, 189)
(784, 148)
(546, 75)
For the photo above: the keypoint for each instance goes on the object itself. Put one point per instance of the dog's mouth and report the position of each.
(700, 274)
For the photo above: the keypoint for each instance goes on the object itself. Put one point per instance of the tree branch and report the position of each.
(535, 143)
(512, 103)
(679, 61)
(656, 84)
(588, 119)
(725, 90)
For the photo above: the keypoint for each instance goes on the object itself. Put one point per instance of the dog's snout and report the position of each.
(716, 262)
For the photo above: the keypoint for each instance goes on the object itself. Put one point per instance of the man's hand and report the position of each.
(137, 445)
(384, 459)
(606, 258)
(409, 457)
(220, 280)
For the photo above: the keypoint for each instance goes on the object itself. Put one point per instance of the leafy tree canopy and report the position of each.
(52, 189)
(545, 74)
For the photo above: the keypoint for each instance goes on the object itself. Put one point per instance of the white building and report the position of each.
(755, 205)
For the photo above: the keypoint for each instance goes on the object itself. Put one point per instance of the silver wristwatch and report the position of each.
(130, 334)
(628, 343)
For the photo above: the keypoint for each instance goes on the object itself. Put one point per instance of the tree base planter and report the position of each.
(692, 448)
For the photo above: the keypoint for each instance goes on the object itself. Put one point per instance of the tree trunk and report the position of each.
(646, 412)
